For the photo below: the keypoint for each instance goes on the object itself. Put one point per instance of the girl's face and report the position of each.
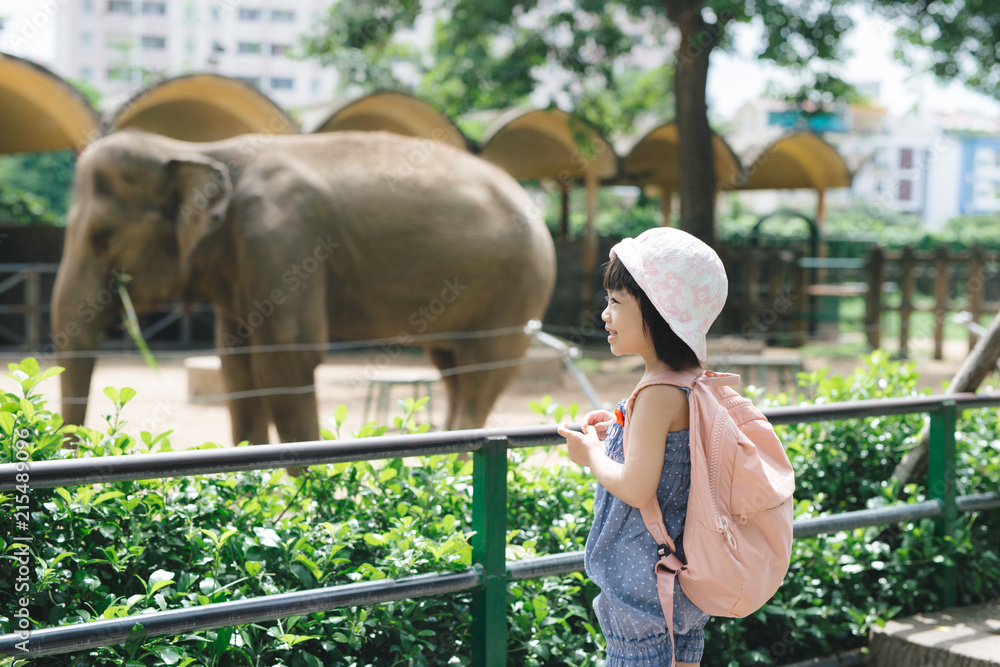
(623, 321)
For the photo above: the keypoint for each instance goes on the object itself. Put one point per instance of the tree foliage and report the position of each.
(44, 181)
(959, 37)
(483, 54)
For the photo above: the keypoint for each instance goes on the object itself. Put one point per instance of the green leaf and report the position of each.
(374, 540)
(126, 394)
(111, 393)
(222, 640)
(252, 567)
(107, 495)
(30, 366)
(7, 422)
(340, 414)
(50, 372)
(159, 579)
(135, 639)
(168, 654)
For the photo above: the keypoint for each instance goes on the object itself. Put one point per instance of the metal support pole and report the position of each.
(941, 484)
(489, 521)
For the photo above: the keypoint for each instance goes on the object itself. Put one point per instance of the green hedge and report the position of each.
(123, 548)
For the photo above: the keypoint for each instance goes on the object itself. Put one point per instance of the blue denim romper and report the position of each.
(619, 558)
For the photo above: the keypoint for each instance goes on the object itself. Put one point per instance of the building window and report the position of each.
(905, 190)
(189, 45)
(249, 14)
(87, 6)
(986, 158)
(86, 40)
(216, 14)
(281, 83)
(906, 158)
(122, 42)
(119, 74)
(278, 49)
(149, 42)
(282, 16)
(119, 6)
(248, 47)
(250, 80)
(86, 73)
(218, 48)
(156, 8)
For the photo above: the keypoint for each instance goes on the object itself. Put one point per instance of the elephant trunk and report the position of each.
(79, 301)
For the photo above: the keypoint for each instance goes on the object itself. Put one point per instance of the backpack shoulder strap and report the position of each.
(674, 378)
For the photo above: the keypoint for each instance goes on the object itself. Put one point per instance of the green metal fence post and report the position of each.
(489, 520)
(941, 485)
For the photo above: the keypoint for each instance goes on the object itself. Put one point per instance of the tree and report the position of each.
(493, 53)
(959, 37)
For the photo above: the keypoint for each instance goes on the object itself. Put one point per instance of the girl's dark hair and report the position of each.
(670, 349)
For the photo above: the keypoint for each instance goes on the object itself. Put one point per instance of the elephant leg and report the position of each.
(444, 360)
(288, 377)
(248, 416)
(476, 392)
(291, 399)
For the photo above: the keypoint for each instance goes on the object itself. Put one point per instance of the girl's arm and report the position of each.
(657, 410)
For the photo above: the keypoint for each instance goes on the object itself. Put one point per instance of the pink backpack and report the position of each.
(738, 530)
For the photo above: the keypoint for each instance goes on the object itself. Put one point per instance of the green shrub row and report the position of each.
(106, 551)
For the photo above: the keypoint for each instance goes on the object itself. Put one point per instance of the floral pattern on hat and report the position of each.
(682, 276)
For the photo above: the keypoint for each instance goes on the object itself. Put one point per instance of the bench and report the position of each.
(380, 390)
(785, 365)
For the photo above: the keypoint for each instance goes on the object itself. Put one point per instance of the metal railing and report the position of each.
(490, 573)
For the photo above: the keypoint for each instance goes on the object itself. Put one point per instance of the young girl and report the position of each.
(665, 288)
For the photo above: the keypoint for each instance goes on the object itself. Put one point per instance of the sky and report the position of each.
(734, 79)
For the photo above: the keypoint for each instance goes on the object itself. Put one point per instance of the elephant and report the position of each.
(297, 240)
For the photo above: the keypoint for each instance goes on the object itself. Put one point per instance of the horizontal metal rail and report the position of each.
(866, 518)
(877, 407)
(81, 636)
(130, 467)
(96, 470)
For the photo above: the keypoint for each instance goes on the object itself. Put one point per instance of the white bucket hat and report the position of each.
(682, 276)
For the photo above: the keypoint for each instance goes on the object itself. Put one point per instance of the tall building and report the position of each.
(121, 46)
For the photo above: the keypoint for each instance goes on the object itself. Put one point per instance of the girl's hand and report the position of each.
(582, 446)
(600, 420)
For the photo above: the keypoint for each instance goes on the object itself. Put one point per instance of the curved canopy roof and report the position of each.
(202, 107)
(798, 160)
(396, 112)
(546, 143)
(653, 160)
(40, 111)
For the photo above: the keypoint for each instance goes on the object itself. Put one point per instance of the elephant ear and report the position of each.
(202, 190)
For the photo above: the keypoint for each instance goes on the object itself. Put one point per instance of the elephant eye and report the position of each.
(101, 239)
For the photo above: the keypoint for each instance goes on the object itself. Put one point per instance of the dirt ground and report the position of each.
(162, 402)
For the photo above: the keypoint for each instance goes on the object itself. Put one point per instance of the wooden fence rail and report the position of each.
(956, 281)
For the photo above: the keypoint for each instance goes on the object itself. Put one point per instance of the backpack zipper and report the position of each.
(721, 522)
